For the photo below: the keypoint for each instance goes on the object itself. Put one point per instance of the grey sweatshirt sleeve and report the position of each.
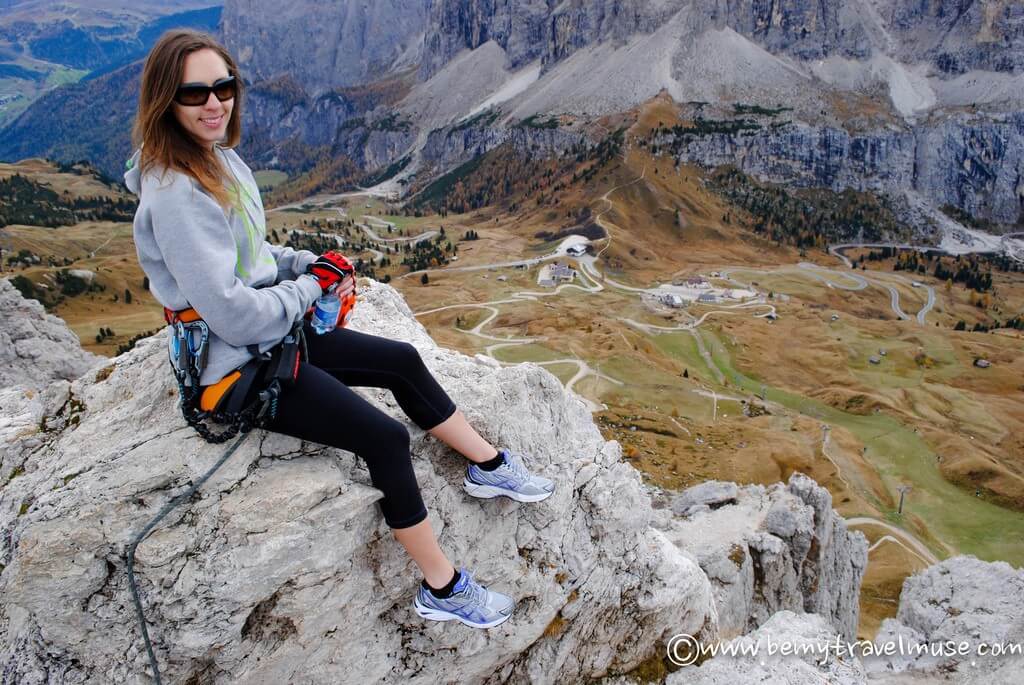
(290, 263)
(196, 242)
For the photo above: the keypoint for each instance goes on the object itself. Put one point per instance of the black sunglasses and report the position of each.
(193, 94)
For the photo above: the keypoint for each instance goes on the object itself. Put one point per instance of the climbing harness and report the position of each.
(224, 402)
(229, 400)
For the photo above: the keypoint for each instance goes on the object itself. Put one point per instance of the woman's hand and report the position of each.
(331, 269)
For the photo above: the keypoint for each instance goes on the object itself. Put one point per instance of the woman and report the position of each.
(200, 237)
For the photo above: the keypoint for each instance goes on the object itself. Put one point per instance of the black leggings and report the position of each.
(321, 407)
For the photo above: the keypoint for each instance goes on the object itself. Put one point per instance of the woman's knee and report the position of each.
(391, 436)
(408, 356)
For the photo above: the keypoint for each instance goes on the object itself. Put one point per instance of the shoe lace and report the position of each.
(516, 466)
(474, 591)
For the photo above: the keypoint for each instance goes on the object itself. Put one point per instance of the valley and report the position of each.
(771, 359)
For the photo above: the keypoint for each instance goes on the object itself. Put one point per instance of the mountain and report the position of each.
(339, 44)
(917, 101)
(45, 45)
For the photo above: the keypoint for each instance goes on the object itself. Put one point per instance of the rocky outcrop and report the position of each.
(282, 567)
(946, 613)
(36, 348)
(970, 162)
(747, 659)
(962, 600)
(771, 549)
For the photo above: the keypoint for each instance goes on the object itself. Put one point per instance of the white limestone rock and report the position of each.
(774, 548)
(811, 660)
(704, 497)
(960, 600)
(282, 569)
(36, 348)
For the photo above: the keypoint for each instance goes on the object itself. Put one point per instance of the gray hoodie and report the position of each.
(196, 254)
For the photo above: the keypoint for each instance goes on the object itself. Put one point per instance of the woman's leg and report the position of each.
(320, 408)
(421, 544)
(456, 432)
(359, 359)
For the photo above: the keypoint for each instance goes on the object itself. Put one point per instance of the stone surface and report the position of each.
(711, 494)
(962, 599)
(746, 659)
(775, 548)
(282, 567)
(36, 348)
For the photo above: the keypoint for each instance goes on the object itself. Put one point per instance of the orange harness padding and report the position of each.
(214, 394)
(185, 316)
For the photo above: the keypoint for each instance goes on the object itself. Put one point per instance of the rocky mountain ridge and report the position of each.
(267, 575)
(934, 89)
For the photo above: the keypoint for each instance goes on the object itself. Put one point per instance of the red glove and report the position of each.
(330, 270)
(336, 274)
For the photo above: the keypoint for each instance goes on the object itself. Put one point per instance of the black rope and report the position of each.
(149, 527)
(257, 414)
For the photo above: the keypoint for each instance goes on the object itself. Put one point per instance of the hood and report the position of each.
(132, 176)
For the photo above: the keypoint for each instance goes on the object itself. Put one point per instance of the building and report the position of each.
(672, 300)
(982, 363)
(875, 360)
(707, 298)
(552, 274)
(577, 249)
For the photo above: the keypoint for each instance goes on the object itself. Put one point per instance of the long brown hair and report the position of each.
(164, 143)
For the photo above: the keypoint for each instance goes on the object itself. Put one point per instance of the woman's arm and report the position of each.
(196, 243)
(290, 263)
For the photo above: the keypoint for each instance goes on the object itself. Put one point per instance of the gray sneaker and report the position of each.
(511, 479)
(470, 603)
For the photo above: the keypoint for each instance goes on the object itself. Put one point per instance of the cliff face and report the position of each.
(282, 567)
(951, 35)
(767, 550)
(974, 163)
(326, 45)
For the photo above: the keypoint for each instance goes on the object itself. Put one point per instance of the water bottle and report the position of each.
(325, 313)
